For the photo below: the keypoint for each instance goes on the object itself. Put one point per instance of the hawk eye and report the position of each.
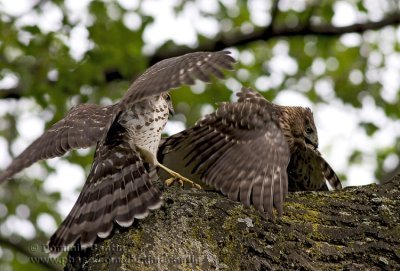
(309, 130)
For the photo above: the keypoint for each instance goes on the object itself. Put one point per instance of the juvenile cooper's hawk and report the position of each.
(249, 149)
(127, 135)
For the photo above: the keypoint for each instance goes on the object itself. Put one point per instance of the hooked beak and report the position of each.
(311, 141)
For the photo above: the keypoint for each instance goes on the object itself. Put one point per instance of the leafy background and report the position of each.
(341, 58)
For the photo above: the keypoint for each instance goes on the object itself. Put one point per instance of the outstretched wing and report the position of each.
(240, 150)
(177, 71)
(118, 189)
(82, 127)
(85, 124)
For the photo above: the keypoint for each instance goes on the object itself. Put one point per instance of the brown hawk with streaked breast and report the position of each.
(127, 134)
(253, 151)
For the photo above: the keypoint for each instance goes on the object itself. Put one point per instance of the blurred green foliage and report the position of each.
(47, 73)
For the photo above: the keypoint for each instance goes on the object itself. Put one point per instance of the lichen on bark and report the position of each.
(353, 229)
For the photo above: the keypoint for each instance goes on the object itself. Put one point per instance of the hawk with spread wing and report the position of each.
(253, 151)
(127, 134)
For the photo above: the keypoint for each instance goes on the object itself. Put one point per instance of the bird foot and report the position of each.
(170, 181)
(181, 181)
(177, 177)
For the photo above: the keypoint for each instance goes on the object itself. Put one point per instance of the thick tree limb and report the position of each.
(353, 229)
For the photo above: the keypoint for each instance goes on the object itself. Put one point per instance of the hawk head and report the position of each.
(307, 127)
(298, 126)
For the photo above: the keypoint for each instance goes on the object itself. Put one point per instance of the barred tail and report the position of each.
(330, 175)
(118, 189)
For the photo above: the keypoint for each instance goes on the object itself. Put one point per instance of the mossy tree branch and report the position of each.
(355, 229)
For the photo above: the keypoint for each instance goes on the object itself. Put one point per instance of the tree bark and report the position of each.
(353, 229)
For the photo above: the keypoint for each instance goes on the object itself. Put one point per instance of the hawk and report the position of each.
(127, 135)
(253, 151)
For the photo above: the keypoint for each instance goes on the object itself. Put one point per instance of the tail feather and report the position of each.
(118, 189)
(330, 175)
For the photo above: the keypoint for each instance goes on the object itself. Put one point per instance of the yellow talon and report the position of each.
(181, 181)
(177, 177)
(170, 181)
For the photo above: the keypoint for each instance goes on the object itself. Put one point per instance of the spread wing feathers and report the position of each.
(239, 150)
(85, 124)
(82, 127)
(329, 173)
(174, 72)
(118, 189)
